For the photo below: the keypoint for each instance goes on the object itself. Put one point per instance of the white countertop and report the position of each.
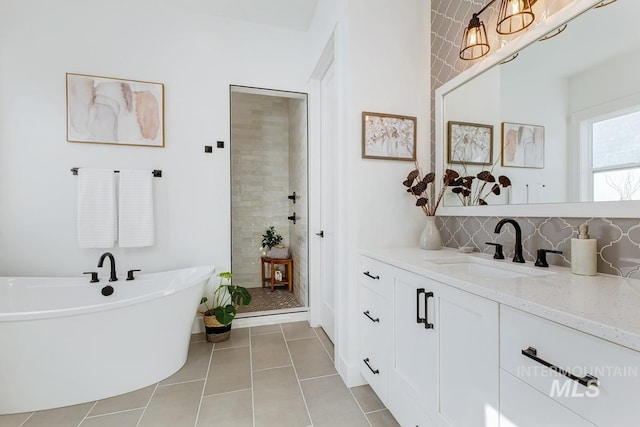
(604, 306)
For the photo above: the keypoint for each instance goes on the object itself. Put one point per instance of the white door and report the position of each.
(328, 137)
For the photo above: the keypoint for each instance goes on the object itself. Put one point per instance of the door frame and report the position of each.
(316, 294)
(234, 88)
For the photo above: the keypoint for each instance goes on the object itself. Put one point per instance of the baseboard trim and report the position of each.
(350, 373)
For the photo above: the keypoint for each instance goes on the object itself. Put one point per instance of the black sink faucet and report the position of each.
(518, 256)
(112, 261)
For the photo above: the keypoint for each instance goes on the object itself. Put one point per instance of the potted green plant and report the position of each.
(271, 238)
(219, 314)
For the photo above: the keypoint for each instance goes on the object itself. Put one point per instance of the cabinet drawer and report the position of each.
(374, 340)
(376, 276)
(523, 406)
(374, 314)
(528, 343)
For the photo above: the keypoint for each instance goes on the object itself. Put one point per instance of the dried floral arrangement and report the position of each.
(471, 190)
(418, 185)
(475, 193)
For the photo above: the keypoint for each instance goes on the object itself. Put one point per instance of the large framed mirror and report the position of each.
(564, 116)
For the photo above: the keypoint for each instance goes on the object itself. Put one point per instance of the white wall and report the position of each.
(195, 55)
(542, 102)
(613, 80)
(382, 61)
(386, 51)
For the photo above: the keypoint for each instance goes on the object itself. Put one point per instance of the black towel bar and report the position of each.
(156, 173)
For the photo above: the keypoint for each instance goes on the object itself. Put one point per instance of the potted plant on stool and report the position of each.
(218, 315)
(270, 239)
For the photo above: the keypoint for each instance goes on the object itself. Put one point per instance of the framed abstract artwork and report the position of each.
(470, 144)
(388, 136)
(106, 110)
(522, 145)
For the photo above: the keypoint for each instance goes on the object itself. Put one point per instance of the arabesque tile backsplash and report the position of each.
(618, 239)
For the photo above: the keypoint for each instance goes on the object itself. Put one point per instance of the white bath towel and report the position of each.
(135, 224)
(96, 221)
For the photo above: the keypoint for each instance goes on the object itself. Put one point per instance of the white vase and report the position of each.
(430, 236)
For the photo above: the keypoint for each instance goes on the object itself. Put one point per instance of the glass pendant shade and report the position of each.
(514, 16)
(474, 40)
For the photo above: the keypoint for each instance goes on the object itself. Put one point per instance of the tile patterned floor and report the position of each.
(266, 376)
(262, 299)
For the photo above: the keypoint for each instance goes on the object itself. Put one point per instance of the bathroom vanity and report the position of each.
(451, 339)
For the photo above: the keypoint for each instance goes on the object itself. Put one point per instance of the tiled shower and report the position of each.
(269, 163)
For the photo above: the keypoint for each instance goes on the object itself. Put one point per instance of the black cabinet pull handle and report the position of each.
(587, 380)
(419, 319)
(366, 362)
(427, 325)
(366, 313)
(366, 273)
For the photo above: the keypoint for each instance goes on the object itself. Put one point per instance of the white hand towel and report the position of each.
(136, 209)
(96, 221)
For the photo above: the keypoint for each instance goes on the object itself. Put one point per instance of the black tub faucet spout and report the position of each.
(112, 261)
(518, 249)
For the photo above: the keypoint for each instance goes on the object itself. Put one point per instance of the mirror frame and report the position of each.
(618, 209)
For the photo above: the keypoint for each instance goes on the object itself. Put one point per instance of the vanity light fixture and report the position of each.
(514, 16)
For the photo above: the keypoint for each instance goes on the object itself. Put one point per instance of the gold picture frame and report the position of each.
(388, 136)
(522, 145)
(107, 110)
(469, 143)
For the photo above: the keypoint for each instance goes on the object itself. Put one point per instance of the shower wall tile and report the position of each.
(260, 179)
(298, 233)
(618, 239)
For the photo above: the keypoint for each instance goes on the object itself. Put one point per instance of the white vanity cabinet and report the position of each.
(453, 350)
(374, 324)
(443, 359)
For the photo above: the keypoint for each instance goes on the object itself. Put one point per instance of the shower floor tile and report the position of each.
(262, 299)
(275, 375)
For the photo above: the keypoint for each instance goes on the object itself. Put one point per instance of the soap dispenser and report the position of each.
(584, 253)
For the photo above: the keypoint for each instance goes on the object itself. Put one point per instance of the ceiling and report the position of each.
(287, 14)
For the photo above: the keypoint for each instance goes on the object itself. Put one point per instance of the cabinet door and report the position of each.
(468, 358)
(413, 376)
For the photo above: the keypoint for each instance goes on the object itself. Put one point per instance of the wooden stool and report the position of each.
(287, 275)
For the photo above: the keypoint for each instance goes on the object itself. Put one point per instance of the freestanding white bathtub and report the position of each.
(62, 342)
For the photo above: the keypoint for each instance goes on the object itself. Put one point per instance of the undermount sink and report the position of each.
(487, 269)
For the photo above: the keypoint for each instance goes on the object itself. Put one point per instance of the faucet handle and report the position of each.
(498, 254)
(130, 274)
(541, 260)
(94, 276)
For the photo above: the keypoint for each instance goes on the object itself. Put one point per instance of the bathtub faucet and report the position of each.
(112, 261)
